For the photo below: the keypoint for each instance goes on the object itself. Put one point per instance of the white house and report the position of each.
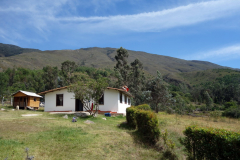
(113, 100)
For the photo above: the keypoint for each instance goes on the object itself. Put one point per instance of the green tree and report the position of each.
(122, 68)
(50, 77)
(158, 92)
(67, 71)
(3, 83)
(88, 90)
(137, 82)
(209, 101)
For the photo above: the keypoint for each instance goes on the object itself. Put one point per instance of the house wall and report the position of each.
(110, 101)
(122, 106)
(68, 101)
(33, 103)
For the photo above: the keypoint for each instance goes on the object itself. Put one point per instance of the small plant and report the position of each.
(169, 144)
(215, 115)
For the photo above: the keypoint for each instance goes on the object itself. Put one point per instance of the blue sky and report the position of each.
(187, 29)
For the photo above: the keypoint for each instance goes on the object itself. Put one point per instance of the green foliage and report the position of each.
(211, 143)
(221, 89)
(170, 145)
(145, 107)
(216, 115)
(130, 116)
(147, 124)
(122, 68)
(50, 77)
(89, 90)
(136, 81)
(233, 112)
(231, 104)
(158, 92)
(67, 70)
(209, 102)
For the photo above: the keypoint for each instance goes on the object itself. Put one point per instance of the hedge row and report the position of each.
(142, 118)
(211, 143)
(147, 125)
(130, 116)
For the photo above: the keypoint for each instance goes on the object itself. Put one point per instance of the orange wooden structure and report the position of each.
(26, 99)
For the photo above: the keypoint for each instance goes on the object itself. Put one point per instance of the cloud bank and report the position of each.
(221, 54)
(45, 17)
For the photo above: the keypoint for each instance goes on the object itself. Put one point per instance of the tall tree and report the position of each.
(3, 83)
(67, 70)
(209, 101)
(137, 81)
(122, 68)
(158, 92)
(50, 77)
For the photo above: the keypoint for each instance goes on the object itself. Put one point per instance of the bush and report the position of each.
(232, 112)
(211, 143)
(130, 116)
(145, 107)
(147, 124)
(231, 104)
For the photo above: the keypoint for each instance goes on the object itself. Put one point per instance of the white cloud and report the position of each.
(46, 17)
(47, 12)
(222, 54)
(156, 21)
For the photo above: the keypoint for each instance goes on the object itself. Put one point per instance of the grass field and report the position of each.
(53, 137)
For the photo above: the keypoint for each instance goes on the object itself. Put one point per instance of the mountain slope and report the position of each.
(7, 50)
(103, 58)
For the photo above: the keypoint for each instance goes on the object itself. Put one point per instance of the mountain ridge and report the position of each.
(99, 58)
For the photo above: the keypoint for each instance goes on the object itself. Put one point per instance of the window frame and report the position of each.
(59, 105)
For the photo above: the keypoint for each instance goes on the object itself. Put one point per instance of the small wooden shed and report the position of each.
(26, 99)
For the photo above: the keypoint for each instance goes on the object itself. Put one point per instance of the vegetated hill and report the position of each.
(104, 58)
(7, 50)
(200, 77)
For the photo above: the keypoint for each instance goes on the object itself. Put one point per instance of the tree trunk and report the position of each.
(156, 109)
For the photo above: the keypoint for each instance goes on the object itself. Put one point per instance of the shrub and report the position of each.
(231, 104)
(147, 124)
(130, 116)
(232, 112)
(211, 143)
(145, 107)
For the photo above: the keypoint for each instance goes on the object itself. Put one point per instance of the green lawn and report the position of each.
(53, 137)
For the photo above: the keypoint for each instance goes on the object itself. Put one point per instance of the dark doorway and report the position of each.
(78, 105)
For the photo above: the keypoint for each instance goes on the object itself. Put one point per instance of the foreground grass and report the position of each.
(53, 137)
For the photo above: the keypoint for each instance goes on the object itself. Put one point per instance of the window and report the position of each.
(35, 99)
(129, 101)
(125, 99)
(120, 97)
(59, 100)
(101, 100)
